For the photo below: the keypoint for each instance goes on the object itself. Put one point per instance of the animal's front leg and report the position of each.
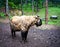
(13, 33)
(24, 36)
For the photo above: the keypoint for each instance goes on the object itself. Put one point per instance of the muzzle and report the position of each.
(39, 23)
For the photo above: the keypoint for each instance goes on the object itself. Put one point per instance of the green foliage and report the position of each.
(12, 5)
(2, 15)
(2, 3)
(10, 17)
(15, 3)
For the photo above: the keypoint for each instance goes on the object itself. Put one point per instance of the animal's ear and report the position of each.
(36, 16)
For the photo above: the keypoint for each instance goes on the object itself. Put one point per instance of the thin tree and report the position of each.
(32, 7)
(6, 7)
(26, 2)
(46, 12)
(22, 7)
(37, 6)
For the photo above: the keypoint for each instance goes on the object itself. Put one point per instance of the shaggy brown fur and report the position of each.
(23, 22)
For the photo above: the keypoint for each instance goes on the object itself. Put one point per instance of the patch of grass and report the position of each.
(51, 11)
(2, 15)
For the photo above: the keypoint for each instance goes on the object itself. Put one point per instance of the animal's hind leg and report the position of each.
(26, 33)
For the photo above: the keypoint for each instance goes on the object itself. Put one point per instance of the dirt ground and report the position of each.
(44, 36)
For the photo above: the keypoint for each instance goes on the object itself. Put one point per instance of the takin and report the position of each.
(23, 23)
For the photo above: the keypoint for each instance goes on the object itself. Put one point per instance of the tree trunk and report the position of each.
(46, 12)
(26, 2)
(21, 7)
(36, 7)
(6, 7)
(32, 7)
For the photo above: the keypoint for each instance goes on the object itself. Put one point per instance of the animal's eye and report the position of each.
(37, 16)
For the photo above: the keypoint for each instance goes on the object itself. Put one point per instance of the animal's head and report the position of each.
(38, 22)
